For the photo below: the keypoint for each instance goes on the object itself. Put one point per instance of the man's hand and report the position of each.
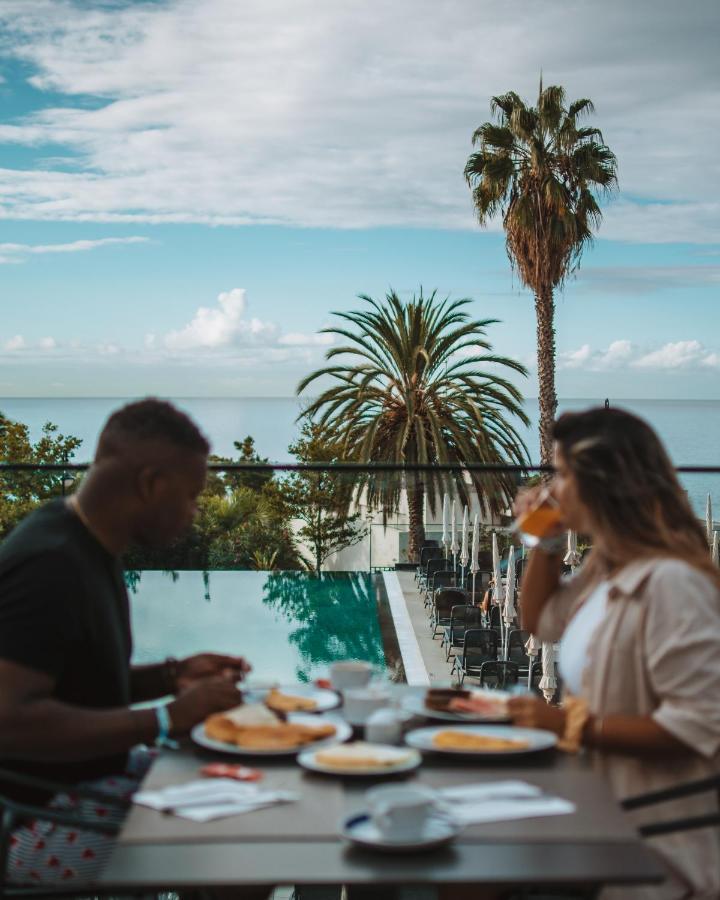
(202, 666)
(205, 697)
(532, 712)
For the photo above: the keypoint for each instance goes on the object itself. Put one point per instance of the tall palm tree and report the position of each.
(541, 170)
(412, 388)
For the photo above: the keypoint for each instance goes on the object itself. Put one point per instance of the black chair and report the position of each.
(494, 619)
(688, 789)
(480, 645)
(461, 618)
(443, 602)
(444, 578)
(14, 814)
(516, 651)
(427, 551)
(433, 565)
(499, 674)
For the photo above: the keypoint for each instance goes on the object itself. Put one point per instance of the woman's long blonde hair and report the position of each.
(626, 480)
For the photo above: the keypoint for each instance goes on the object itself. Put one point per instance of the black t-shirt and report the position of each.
(64, 611)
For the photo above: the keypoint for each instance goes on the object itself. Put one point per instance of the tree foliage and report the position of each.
(23, 491)
(418, 382)
(544, 174)
(321, 499)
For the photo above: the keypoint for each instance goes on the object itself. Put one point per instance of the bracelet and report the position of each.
(171, 675)
(576, 716)
(164, 726)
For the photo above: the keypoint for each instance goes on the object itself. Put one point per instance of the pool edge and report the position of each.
(413, 663)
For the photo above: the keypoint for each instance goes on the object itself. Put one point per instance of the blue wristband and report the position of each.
(164, 724)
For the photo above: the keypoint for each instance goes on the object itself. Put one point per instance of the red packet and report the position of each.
(228, 770)
(323, 683)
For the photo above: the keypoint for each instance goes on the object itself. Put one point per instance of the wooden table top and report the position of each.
(298, 843)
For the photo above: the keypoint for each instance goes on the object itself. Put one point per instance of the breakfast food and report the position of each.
(361, 755)
(466, 741)
(254, 727)
(439, 699)
(480, 703)
(285, 703)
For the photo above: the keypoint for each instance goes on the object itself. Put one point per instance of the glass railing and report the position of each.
(317, 516)
(294, 564)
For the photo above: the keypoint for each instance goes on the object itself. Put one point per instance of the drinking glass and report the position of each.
(539, 520)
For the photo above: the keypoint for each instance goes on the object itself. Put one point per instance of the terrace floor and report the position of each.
(433, 658)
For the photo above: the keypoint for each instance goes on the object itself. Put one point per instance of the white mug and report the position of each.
(384, 726)
(401, 812)
(359, 703)
(350, 673)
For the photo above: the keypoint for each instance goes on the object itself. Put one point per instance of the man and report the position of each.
(66, 683)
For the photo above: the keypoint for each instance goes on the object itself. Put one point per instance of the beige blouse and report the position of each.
(657, 653)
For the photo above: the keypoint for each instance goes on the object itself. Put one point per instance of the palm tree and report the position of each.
(411, 388)
(541, 171)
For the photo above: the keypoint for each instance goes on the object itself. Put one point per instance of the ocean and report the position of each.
(689, 428)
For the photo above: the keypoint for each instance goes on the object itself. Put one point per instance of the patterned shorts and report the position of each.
(48, 853)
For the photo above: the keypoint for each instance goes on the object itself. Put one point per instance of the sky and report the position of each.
(188, 191)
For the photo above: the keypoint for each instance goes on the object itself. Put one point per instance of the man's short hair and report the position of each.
(152, 420)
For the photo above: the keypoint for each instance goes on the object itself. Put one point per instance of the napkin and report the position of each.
(211, 798)
(473, 804)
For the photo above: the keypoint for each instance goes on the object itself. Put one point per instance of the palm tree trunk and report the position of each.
(545, 315)
(416, 497)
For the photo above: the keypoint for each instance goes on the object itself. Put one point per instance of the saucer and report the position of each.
(360, 830)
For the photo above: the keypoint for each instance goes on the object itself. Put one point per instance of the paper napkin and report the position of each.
(473, 804)
(211, 798)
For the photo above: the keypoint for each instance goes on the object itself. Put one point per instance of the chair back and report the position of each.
(429, 551)
(436, 564)
(484, 640)
(516, 651)
(485, 561)
(502, 673)
(494, 617)
(465, 614)
(441, 579)
(445, 599)
(452, 596)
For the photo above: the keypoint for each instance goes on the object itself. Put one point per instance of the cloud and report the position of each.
(221, 326)
(16, 253)
(616, 354)
(347, 115)
(674, 355)
(576, 359)
(15, 343)
(623, 354)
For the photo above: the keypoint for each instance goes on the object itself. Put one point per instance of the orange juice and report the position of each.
(537, 522)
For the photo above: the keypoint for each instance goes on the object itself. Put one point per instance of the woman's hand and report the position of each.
(528, 497)
(532, 712)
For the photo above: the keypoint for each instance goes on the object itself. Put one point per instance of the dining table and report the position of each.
(300, 843)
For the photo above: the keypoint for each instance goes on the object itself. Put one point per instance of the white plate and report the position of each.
(342, 732)
(359, 830)
(415, 704)
(324, 699)
(307, 761)
(422, 739)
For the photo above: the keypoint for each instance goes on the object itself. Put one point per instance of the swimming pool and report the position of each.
(289, 625)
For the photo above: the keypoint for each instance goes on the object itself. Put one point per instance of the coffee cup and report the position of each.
(351, 673)
(401, 812)
(360, 703)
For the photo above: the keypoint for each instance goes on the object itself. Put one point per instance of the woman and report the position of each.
(639, 626)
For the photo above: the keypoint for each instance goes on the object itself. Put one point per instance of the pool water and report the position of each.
(289, 625)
